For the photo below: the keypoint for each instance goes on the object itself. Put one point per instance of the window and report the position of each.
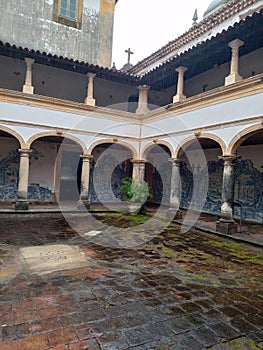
(68, 12)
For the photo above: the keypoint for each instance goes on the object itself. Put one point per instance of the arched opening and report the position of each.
(158, 173)
(55, 169)
(249, 176)
(110, 164)
(201, 175)
(9, 167)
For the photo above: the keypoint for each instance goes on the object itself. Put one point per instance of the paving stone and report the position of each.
(242, 325)
(138, 336)
(90, 344)
(62, 336)
(15, 331)
(188, 341)
(36, 342)
(130, 298)
(224, 331)
(112, 342)
(179, 325)
(48, 258)
(9, 345)
(205, 336)
(88, 331)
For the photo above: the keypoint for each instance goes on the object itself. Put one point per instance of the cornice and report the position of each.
(66, 106)
(243, 88)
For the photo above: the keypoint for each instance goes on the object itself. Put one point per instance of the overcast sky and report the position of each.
(147, 25)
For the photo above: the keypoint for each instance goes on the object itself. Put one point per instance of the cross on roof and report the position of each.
(129, 52)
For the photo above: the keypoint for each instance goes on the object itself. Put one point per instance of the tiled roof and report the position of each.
(209, 53)
(207, 24)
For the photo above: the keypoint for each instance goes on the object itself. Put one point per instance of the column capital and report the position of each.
(235, 44)
(29, 61)
(138, 161)
(176, 161)
(181, 69)
(91, 75)
(143, 87)
(86, 157)
(228, 158)
(24, 152)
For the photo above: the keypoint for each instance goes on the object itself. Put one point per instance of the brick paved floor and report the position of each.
(176, 291)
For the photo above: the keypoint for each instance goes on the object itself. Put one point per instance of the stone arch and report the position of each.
(238, 139)
(108, 167)
(53, 133)
(119, 142)
(148, 147)
(18, 137)
(192, 138)
(48, 184)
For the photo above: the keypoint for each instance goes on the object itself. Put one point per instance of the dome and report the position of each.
(215, 5)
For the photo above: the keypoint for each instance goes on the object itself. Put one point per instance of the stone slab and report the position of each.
(47, 258)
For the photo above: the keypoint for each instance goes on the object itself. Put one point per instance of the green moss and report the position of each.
(169, 252)
(257, 259)
(243, 343)
(199, 277)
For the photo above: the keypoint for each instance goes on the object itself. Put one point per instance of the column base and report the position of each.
(142, 110)
(179, 98)
(21, 205)
(232, 78)
(90, 101)
(83, 205)
(28, 89)
(227, 228)
(172, 214)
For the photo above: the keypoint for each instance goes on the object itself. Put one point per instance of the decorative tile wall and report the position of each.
(248, 189)
(9, 173)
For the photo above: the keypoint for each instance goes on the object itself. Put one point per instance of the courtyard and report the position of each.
(70, 283)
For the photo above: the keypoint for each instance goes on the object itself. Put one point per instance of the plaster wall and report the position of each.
(30, 24)
(41, 170)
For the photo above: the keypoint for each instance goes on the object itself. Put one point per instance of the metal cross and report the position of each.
(129, 52)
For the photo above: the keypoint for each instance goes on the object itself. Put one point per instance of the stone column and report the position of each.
(143, 99)
(27, 87)
(138, 169)
(226, 224)
(84, 190)
(22, 201)
(234, 76)
(89, 100)
(175, 191)
(180, 85)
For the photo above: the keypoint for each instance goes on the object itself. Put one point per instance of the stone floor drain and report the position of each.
(47, 258)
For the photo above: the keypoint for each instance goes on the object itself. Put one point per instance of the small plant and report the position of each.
(134, 191)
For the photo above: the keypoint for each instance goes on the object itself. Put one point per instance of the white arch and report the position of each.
(18, 137)
(241, 137)
(192, 138)
(148, 147)
(119, 142)
(54, 133)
